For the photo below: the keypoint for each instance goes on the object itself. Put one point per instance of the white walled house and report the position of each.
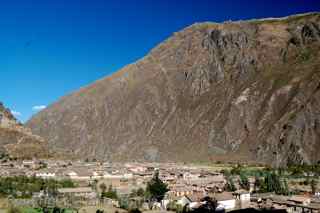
(225, 200)
(85, 192)
(184, 200)
(46, 175)
(242, 195)
(245, 197)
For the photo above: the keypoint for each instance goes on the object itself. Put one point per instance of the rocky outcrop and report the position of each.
(238, 91)
(18, 141)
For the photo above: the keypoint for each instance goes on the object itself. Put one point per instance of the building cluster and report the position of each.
(187, 185)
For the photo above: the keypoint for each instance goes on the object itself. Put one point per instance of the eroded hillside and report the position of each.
(18, 141)
(237, 91)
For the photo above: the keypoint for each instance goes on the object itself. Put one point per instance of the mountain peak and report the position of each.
(236, 91)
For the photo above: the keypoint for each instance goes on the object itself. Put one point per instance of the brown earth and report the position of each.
(238, 91)
(18, 141)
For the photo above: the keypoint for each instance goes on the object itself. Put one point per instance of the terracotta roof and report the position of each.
(222, 196)
(299, 199)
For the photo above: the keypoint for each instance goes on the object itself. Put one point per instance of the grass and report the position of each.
(30, 210)
(305, 55)
(39, 210)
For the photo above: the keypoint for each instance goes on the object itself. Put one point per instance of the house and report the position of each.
(30, 164)
(191, 176)
(181, 191)
(301, 200)
(226, 200)
(242, 195)
(184, 200)
(79, 174)
(138, 169)
(46, 174)
(85, 192)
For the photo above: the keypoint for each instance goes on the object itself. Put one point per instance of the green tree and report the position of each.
(236, 170)
(140, 192)
(285, 187)
(14, 209)
(209, 206)
(103, 187)
(133, 193)
(230, 187)
(156, 189)
(313, 184)
(244, 181)
(273, 183)
(111, 193)
(258, 184)
(135, 210)
(67, 183)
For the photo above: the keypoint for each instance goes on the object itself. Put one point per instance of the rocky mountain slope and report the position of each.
(17, 140)
(238, 91)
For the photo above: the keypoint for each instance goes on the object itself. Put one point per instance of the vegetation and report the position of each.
(24, 187)
(305, 55)
(268, 179)
(103, 188)
(175, 207)
(209, 206)
(156, 189)
(272, 182)
(297, 171)
(244, 182)
(230, 187)
(111, 193)
(137, 193)
(313, 184)
(135, 210)
(13, 209)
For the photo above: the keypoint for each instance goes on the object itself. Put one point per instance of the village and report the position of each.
(117, 186)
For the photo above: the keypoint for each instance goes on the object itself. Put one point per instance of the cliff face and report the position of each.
(18, 141)
(238, 91)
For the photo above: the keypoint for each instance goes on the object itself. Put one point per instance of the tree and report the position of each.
(209, 205)
(230, 187)
(111, 193)
(175, 207)
(284, 187)
(140, 192)
(273, 183)
(236, 170)
(244, 181)
(258, 184)
(156, 189)
(56, 210)
(313, 186)
(135, 210)
(13, 209)
(103, 187)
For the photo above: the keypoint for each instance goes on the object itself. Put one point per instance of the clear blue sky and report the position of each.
(50, 48)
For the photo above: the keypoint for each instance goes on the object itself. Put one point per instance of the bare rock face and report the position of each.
(17, 140)
(237, 91)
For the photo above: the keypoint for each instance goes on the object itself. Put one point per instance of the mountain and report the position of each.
(245, 91)
(18, 141)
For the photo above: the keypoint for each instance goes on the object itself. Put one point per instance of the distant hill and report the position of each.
(17, 140)
(238, 91)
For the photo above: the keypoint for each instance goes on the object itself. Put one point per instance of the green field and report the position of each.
(39, 210)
